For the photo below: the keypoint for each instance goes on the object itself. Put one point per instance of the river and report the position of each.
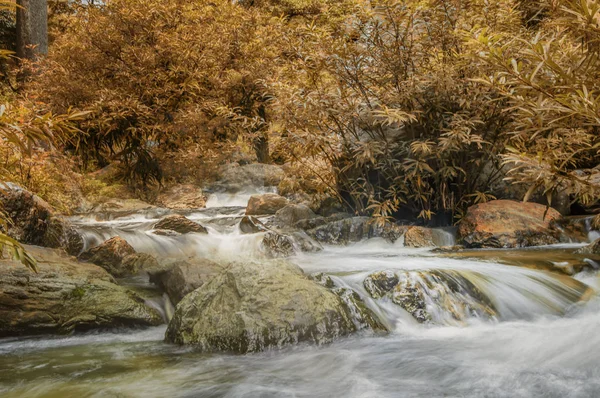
(542, 341)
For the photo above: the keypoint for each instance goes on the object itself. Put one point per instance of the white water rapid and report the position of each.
(492, 329)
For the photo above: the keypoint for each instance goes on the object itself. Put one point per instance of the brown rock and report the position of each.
(110, 255)
(508, 224)
(179, 223)
(268, 203)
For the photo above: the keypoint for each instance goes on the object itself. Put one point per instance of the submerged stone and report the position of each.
(441, 297)
(379, 284)
(180, 224)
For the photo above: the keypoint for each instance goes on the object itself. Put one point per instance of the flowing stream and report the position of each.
(542, 338)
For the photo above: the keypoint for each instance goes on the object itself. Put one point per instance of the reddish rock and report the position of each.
(508, 224)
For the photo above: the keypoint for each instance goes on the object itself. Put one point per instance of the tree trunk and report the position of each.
(261, 148)
(32, 29)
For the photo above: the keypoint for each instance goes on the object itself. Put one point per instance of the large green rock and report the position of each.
(254, 306)
(65, 296)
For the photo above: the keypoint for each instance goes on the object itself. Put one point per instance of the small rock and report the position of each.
(252, 225)
(291, 214)
(180, 224)
(276, 245)
(265, 204)
(110, 255)
(133, 264)
(418, 237)
(592, 248)
(379, 284)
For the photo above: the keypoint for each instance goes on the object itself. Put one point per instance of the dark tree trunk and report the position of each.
(32, 29)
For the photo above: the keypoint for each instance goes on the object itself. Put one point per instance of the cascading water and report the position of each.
(459, 327)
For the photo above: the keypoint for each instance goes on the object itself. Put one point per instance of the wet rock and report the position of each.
(440, 297)
(291, 214)
(182, 197)
(381, 283)
(180, 224)
(165, 232)
(593, 248)
(418, 237)
(255, 306)
(268, 203)
(361, 315)
(323, 280)
(508, 224)
(35, 222)
(252, 225)
(355, 229)
(183, 277)
(276, 245)
(319, 221)
(65, 296)
(448, 249)
(110, 255)
(305, 243)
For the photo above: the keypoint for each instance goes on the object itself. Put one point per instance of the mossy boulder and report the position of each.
(255, 306)
(65, 296)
